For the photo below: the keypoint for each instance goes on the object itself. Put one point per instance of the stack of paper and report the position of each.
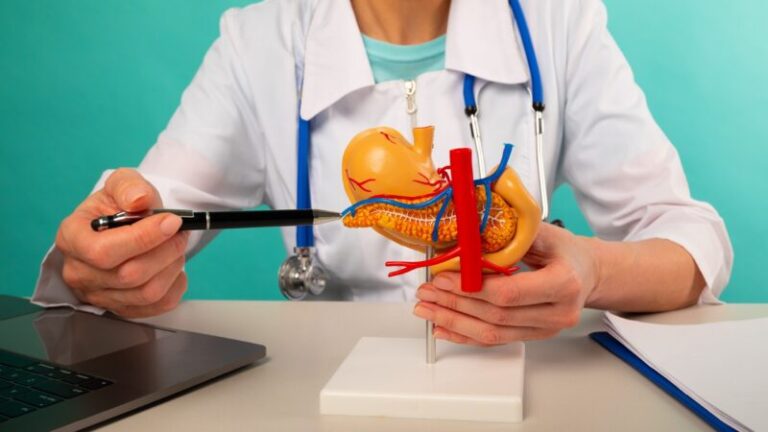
(723, 366)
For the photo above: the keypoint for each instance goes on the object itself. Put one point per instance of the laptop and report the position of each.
(64, 370)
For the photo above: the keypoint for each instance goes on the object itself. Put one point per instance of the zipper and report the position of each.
(410, 101)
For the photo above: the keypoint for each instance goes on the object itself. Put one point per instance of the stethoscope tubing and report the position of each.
(537, 89)
(305, 235)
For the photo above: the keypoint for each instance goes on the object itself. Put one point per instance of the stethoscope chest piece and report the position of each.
(299, 276)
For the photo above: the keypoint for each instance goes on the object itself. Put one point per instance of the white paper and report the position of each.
(723, 365)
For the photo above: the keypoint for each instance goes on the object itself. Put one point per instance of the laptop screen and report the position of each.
(66, 337)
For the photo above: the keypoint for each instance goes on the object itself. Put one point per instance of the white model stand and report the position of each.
(389, 377)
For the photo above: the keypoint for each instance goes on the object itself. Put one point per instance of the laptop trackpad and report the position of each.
(68, 337)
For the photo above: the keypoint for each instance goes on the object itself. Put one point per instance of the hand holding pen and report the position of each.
(137, 270)
(134, 271)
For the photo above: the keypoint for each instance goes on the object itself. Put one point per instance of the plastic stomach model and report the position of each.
(395, 189)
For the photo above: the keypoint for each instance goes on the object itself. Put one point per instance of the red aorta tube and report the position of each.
(467, 220)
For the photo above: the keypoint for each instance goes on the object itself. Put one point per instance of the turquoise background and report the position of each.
(88, 84)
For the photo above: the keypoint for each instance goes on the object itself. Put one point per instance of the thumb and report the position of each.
(545, 246)
(131, 192)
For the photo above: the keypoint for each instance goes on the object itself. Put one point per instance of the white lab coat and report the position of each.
(232, 142)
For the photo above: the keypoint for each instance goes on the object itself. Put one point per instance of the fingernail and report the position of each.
(443, 283)
(422, 311)
(440, 334)
(134, 194)
(170, 225)
(426, 293)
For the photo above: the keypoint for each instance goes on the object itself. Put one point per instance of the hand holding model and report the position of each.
(395, 189)
(135, 270)
(536, 304)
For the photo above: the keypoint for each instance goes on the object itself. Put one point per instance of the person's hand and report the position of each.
(134, 270)
(529, 305)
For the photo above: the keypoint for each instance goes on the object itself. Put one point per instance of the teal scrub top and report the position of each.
(404, 62)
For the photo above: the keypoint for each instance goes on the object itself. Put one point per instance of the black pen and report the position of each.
(214, 220)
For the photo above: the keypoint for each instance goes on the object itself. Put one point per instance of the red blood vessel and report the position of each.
(467, 220)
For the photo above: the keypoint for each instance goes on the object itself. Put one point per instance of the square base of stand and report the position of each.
(390, 377)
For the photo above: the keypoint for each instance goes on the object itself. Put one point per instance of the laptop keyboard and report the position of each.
(27, 385)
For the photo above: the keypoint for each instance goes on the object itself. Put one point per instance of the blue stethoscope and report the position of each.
(299, 275)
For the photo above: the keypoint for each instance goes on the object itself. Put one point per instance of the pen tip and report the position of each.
(95, 225)
(324, 216)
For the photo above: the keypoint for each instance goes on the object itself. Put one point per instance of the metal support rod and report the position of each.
(431, 345)
(540, 164)
(474, 129)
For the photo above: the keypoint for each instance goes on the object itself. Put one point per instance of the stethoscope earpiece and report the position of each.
(299, 276)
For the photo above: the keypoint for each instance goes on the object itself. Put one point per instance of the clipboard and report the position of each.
(619, 350)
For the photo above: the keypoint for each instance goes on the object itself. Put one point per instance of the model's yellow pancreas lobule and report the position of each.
(418, 224)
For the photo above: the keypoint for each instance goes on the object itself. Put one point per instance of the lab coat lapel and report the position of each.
(335, 62)
(482, 41)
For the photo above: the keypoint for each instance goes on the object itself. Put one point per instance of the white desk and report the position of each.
(571, 382)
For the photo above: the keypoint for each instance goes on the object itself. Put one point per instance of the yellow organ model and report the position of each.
(395, 188)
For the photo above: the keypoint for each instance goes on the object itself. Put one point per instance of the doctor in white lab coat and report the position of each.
(231, 144)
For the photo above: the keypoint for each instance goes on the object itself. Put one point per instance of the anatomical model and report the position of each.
(395, 188)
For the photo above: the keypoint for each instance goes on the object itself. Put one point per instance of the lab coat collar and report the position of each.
(335, 62)
(481, 40)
